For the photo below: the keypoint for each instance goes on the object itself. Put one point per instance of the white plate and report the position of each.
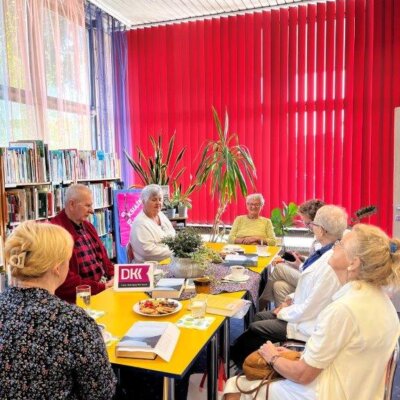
(136, 308)
(229, 277)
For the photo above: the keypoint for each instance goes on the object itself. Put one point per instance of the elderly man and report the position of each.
(89, 264)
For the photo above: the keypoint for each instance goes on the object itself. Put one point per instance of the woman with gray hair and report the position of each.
(295, 318)
(252, 228)
(150, 227)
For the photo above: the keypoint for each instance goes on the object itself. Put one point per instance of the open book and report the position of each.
(149, 339)
(247, 260)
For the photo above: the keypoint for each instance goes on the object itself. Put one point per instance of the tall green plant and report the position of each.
(227, 164)
(154, 168)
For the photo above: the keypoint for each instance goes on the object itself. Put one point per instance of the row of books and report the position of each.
(103, 193)
(102, 221)
(29, 203)
(96, 164)
(30, 161)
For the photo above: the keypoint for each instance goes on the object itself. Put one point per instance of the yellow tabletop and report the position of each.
(119, 317)
(251, 249)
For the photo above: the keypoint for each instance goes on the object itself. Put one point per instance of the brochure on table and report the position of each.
(247, 260)
(133, 277)
(148, 339)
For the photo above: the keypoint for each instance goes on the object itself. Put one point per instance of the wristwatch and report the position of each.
(273, 359)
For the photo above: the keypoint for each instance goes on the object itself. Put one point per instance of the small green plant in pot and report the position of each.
(190, 257)
(282, 219)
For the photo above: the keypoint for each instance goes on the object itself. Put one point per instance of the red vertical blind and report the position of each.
(309, 89)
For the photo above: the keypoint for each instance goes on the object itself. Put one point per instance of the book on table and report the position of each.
(246, 260)
(221, 304)
(149, 339)
(170, 288)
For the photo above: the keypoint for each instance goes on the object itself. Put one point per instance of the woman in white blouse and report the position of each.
(347, 354)
(150, 227)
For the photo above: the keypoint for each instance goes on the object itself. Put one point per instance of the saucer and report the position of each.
(229, 277)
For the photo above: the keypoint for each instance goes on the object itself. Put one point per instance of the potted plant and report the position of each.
(157, 169)
(181, 198)
(190, 257)
(170, 206)
(363, 212)
(228, 164)
(283, 218)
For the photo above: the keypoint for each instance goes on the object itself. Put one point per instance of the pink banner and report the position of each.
(129, 206)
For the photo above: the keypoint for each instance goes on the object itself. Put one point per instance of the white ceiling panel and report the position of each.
(138, 13)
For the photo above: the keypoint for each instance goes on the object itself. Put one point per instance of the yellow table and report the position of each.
(263, 262)
(119, 317)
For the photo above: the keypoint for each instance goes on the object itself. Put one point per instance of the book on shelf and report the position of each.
(149, 339)
(170, 288)
(221, 304)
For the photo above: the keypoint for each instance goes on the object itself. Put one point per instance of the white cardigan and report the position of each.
(317, 284)
(146, 235)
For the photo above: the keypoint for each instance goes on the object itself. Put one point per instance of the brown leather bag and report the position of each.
(256, 368)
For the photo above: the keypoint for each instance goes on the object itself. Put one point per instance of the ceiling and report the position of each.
(139, 13)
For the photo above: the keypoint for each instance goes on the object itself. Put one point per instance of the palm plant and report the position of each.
(228, 164)
(156, 169)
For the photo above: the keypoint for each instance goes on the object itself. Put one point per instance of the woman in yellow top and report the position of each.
(252, 228)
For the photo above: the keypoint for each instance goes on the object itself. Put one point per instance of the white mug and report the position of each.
(237, 271)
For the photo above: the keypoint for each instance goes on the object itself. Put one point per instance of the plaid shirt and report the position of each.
(89, 255)
(91, 252)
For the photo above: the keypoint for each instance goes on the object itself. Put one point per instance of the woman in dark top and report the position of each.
(49, 349)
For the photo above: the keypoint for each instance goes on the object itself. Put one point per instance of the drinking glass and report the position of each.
(83, 294)
(198, 307)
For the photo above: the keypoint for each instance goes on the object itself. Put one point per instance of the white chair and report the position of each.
(390, 371)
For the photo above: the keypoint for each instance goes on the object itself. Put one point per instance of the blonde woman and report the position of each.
(49, 349)
(354, 337)
(253, 228)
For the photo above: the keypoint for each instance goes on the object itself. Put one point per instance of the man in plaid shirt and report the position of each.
(89, 264)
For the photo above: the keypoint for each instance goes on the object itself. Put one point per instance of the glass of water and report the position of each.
(83, 294)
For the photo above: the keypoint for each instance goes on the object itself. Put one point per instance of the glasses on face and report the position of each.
(254, 205)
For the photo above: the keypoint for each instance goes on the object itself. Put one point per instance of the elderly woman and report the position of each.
(252, 228)
(295, 318)
(284, 278)
(347, 354)
(49, 349)
(150, 227)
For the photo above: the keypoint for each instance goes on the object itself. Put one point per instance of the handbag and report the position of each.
(256, 368)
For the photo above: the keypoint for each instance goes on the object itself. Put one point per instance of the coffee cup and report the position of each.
(237, 271)
(202, 285)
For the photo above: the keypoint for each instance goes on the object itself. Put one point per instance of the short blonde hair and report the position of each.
(33, 248)
(379, 255)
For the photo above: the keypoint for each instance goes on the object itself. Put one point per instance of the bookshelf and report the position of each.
(33, 182)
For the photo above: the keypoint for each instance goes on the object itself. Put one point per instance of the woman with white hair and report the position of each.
(49, 349)
(354, 337)
(150, 227)
(252, 228)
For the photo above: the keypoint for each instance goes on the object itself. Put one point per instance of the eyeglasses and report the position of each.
(255, 205)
